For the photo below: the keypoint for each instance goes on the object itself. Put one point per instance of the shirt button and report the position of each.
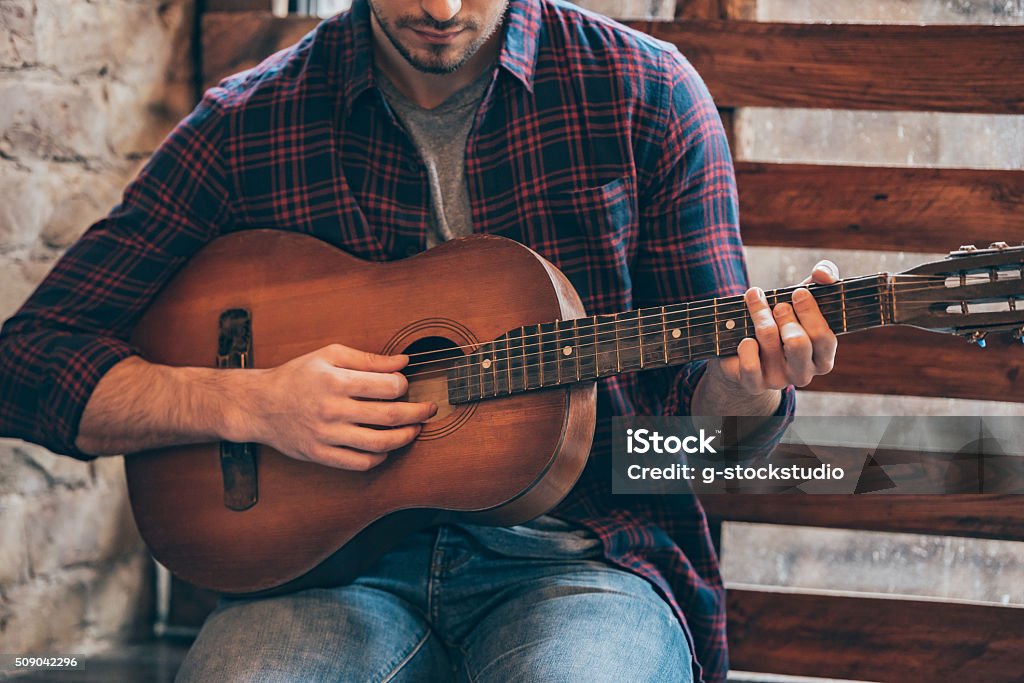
(411, 250)
(412, 165)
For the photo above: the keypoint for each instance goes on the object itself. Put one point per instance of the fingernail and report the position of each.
(433, 409)
(760, 294)
(801, 295)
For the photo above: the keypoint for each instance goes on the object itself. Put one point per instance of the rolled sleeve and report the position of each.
(77, 324)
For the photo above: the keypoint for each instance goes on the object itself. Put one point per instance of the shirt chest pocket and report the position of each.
(591, 237)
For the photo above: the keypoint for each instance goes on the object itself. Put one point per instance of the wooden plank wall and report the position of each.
(929, 68)
(869, 67)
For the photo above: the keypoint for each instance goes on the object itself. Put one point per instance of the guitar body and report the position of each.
(502, 461)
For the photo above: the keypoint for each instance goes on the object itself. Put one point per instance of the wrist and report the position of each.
(242, 398)
(719, 394)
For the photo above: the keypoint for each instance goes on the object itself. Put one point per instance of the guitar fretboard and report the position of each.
(585, 349)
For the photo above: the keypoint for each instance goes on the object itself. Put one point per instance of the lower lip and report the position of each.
(438, 39)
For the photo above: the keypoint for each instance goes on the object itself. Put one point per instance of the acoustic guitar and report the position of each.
(497, 337)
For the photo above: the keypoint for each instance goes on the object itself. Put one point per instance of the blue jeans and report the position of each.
(444, 607)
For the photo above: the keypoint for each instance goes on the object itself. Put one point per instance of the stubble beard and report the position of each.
(437, 63)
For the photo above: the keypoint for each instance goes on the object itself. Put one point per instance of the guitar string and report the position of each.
(514, 352)
(501, 389)
(702, 348)
(655, 321)
(862, 284)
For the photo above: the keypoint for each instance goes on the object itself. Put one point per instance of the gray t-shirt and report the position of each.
(439, 135)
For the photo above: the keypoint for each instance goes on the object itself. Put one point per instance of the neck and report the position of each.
(569, 351)
(425, 89)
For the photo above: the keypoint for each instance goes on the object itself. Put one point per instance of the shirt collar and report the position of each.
(518, 53)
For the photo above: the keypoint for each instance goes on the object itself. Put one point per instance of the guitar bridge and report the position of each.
(237, 460)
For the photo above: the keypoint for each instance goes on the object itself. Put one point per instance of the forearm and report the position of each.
(139, 406)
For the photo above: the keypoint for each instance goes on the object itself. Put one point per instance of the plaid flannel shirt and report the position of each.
(595, 145)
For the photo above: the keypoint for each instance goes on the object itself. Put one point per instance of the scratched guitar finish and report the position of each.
(512, 367)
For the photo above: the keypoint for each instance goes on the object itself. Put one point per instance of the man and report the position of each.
(385, 131)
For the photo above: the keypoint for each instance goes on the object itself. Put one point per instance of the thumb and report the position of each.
(824, 272)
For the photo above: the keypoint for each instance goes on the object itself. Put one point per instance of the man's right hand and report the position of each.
(335, 406)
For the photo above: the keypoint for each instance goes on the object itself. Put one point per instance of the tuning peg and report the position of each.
(999, 245)
(968, 247)
(977, 338)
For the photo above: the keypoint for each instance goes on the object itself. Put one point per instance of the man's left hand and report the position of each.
(793, 342)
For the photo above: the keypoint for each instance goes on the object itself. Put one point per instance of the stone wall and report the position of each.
(87, 90)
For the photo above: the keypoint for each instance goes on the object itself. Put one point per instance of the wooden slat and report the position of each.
(900, 209)
(854, 66)
(699, 9)
(908, 361)
(973, 515)
(878, 639)
(235, 41)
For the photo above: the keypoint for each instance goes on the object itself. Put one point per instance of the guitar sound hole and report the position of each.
(429, 360)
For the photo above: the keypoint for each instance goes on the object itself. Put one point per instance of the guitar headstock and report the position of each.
(972, 292)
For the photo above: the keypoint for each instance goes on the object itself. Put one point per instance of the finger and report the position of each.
(823, 340)
(748, 354)
(767, 333)
(796, 347)
(346, 458)
(385, 385)
(377, 440)
(388, 413)
(354, 359)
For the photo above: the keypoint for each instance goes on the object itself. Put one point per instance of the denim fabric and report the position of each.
(444, 606)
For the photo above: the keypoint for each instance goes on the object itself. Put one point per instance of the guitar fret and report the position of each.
(540, 347)
(618, 360)
(515, 361)
(576, 337)
(640, 335)
(664, 334)
(459, 387)
(689, 335)
(499, 365)
(590, 363)
(472, 368)
(486, 355)
(522, 341)
(714, 305)
(508, 365)
(842, 300)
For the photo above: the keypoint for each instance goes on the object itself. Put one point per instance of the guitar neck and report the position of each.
(568, 351)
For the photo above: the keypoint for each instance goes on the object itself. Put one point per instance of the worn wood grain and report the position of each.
(901, 209)
(908, 361)
(699, 9)
(235, 41)
(854, 66)
(973, 515)
(878, 639)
